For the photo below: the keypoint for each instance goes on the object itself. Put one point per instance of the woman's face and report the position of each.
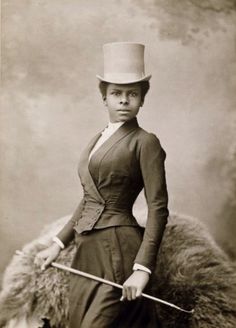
(123, 101)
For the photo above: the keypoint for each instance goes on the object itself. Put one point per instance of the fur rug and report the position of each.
(191, 272)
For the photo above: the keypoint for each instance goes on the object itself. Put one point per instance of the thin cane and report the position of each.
(108, 282)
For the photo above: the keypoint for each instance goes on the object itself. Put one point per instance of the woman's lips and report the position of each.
(123, 110)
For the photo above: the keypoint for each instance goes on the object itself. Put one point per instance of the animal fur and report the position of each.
(191, 271)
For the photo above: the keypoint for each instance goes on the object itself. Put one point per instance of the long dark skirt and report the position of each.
(108, 253)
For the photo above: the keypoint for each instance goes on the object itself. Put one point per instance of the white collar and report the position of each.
(114, 126)
(111, 128)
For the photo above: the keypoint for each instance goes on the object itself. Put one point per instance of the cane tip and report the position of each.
(188, 311)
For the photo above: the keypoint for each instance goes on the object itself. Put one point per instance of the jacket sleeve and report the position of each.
(67, 232)
(152, 158)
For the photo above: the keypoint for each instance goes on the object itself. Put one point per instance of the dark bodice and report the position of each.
(118, 180)
(128, 161)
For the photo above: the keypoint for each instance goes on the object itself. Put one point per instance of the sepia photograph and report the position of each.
(118, 164)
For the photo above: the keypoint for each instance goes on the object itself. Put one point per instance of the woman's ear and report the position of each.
(104, 100)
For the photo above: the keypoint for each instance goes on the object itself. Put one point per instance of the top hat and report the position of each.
(123, 63)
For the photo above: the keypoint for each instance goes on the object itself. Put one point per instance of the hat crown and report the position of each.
(123, 62)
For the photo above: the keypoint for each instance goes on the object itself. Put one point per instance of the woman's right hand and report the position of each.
(47, 256)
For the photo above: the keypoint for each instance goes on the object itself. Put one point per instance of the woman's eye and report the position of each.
(133, 94)
(115, 93)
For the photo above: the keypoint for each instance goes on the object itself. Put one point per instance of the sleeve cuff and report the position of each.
(58, 242)
(137, 267)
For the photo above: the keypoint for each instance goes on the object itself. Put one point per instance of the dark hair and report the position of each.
(145, 85)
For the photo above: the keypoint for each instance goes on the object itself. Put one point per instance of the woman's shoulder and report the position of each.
(148, 143)
(148, 138)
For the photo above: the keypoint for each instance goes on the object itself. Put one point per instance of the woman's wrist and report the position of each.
(141, 273)
(141, 267)
(56, 246)
(58, 242)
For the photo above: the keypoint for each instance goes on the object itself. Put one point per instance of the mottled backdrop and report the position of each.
(51, 52)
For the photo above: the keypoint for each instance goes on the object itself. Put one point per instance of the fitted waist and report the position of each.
(98, 215)
(115, 207)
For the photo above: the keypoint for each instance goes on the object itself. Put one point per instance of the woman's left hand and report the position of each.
(134, 285)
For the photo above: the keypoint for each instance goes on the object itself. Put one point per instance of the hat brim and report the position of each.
(119, 81)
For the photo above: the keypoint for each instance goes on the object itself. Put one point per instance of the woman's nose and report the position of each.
(124, 100)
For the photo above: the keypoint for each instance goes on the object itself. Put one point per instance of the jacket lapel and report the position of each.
(87, 172)
(84, 173)
(119, 134)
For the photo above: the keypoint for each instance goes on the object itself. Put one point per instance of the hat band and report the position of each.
(121, 77)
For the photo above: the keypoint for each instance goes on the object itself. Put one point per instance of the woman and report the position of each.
(113, 169)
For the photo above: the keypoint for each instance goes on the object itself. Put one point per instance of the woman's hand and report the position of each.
(47, 256)
(134, 285)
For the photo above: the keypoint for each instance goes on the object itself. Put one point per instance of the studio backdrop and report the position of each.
(51, 105)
